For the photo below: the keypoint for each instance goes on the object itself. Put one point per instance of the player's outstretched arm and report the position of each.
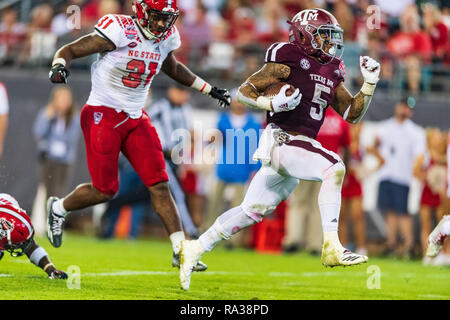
(39, 257)
(353, 108)
(251, 91)
(180, 73)
(82, 47)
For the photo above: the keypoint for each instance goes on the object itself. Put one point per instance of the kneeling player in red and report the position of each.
(16, 237)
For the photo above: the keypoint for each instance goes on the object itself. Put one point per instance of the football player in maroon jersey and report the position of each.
(16, 237)
(310, 62)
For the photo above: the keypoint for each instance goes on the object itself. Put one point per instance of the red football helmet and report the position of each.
(16, 230)
(308, 26)
(155, 17)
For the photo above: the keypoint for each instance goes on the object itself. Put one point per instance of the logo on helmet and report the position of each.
(304, 16)
(5, 226)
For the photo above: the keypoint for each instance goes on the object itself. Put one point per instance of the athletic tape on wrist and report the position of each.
(48, 265)
(264, 103)
(201, 85)
(368, 88)
(37, 255)
(59, 61)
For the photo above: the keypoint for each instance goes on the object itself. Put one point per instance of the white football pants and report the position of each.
(303, 158)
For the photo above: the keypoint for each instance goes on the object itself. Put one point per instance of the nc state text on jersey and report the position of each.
(144, 54)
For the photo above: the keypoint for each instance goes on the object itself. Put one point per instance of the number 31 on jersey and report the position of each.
(137, 69)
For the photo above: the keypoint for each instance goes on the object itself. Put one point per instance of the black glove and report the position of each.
(58, 74)
(2, 253)
(222, 95)
(58, 274)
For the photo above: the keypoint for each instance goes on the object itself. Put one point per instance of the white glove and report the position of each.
(281, 102)
(370, 69)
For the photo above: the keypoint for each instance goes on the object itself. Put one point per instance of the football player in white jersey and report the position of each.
(132, 50)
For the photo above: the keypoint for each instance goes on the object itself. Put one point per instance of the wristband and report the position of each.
(201, 85)
(59, 61)
(368, 89)
(37, 255)
(264, 103)
(47, 266)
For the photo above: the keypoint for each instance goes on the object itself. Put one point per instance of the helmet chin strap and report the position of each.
(145, 32)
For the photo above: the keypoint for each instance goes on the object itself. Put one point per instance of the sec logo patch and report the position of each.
(305, 64)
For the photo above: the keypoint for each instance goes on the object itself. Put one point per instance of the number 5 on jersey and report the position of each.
(314, 113)
(137, 69)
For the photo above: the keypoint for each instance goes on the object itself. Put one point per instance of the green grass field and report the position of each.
(141, 270)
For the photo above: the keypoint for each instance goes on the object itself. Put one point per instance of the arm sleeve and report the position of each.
(108, 27)
(4, 105)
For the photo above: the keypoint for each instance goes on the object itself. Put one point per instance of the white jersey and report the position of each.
(121, 78)
(401, 144)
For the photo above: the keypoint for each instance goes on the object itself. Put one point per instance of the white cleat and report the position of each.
(335, 255)
(436, 238)
(190, 253)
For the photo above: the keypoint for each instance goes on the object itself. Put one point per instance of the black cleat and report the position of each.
(54, 224)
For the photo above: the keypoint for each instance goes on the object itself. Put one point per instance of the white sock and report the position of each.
(176, 239)
(227, 224)
(332, 237)
(58, 208)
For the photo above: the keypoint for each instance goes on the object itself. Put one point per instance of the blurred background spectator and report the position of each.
(400, 141)
(56, 131)
(239, 130)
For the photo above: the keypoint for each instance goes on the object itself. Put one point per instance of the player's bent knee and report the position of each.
(160, 189)
(256, 212)
(104, 195)
(335, 172)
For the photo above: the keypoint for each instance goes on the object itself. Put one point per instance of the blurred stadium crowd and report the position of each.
(225, 37)
(227, 40)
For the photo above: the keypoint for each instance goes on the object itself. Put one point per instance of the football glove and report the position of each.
(370, 69)
(281, 102)
(58, 74)
(222, 95)
(2, 253)
(58, 274)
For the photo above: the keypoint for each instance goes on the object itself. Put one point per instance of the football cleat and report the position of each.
(198, 268)
(436, 238)
(190, 254)
(54, 224)
(336, 255)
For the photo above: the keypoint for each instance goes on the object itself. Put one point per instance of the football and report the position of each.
(275, 88)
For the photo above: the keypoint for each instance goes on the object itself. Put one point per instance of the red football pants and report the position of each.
(106, 133)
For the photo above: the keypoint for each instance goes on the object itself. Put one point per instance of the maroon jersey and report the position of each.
(316, 83)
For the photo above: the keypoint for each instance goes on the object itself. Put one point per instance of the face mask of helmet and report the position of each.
(329, 42)
(17, 250)
(155, 24)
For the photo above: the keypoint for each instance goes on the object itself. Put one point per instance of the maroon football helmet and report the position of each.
(16, 230)
(308, 25)
(151, 12)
